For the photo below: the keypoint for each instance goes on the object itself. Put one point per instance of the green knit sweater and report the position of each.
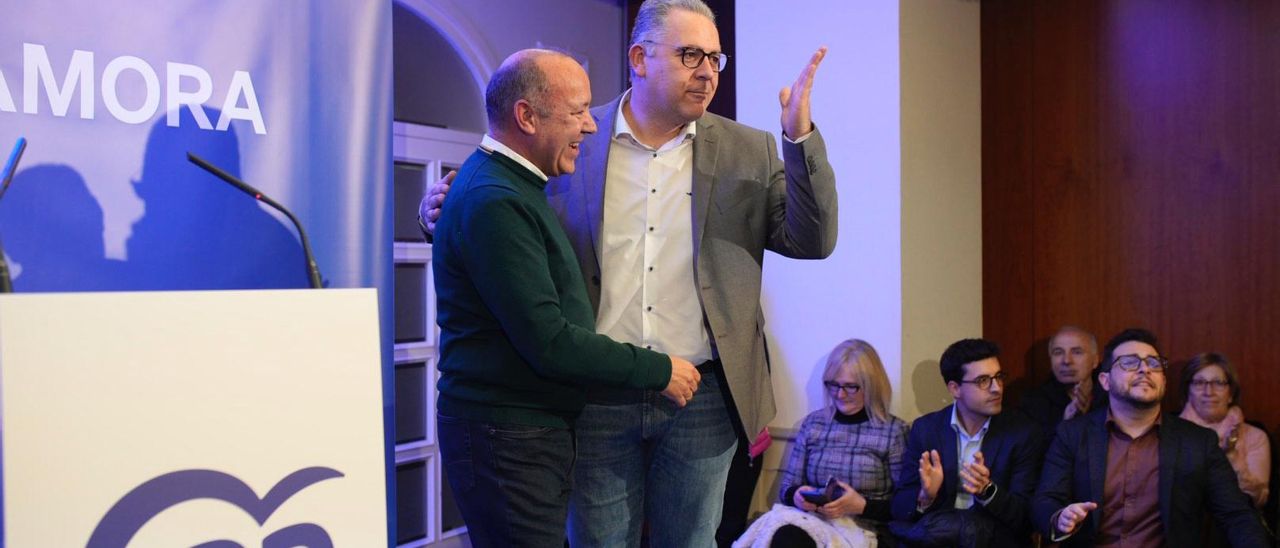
(518, 341)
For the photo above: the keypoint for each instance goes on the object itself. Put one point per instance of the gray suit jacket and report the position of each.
(744, 201)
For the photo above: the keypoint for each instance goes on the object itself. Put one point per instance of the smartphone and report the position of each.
(831, 492)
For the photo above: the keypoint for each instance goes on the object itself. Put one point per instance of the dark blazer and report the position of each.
(1075, 470)
(1044, 404)
(745, 200)
(1011, 449)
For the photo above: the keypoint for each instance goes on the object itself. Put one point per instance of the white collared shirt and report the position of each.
(966, 446)
(648, 295)
(495, 145)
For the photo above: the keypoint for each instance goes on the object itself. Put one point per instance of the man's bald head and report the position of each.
(525, 74)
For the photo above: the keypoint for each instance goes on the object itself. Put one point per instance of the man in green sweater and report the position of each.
(518, 341)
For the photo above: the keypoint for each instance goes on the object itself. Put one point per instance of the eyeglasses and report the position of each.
(1131, 362)
(692, 57)
(835, 387)
(1203, 385)
(984, 382)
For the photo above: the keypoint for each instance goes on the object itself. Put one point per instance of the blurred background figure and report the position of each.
(1071, 390)
(854, 440)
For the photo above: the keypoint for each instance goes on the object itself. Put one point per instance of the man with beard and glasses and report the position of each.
(1109, 476)
(977, 465)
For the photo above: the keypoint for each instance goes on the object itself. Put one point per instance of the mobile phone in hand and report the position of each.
(831, 492)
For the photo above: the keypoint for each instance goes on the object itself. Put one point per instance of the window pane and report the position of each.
(410, 186)
(411, 504)
(411, 402)
(411, 302)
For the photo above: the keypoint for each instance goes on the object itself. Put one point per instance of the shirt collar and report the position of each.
(622, 128)
(955, 423)
(1110, 422)
(494, 145)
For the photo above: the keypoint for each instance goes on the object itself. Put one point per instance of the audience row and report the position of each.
(1089, 458)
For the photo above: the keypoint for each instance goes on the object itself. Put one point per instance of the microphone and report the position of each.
(11, 166)
(6, 177)
(313, 271)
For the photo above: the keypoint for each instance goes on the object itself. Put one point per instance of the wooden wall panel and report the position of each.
(1131, 176)
(1006, 162)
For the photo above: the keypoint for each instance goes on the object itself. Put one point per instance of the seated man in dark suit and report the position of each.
(1109, 476)
(978, 466)
(1070, 390)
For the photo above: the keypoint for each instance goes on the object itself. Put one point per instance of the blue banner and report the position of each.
(292, 96)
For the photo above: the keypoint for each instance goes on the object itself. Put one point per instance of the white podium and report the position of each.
(184, 418)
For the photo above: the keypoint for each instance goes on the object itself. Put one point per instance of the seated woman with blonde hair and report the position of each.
(1211, 393)
(852, 444)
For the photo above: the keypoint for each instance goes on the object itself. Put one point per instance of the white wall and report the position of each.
(810, 306)
(898, 102)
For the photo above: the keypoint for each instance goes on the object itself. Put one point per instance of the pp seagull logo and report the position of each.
(158, 494)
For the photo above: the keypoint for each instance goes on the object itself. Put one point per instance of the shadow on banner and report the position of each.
(197, 232)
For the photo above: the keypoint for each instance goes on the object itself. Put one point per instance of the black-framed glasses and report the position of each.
(692, 57)
(1204, 385)
(1131, 362)
(983, 382)
(849, 388)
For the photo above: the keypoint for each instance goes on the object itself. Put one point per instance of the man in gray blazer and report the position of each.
(670, 211)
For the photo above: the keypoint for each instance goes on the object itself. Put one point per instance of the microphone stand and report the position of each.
(10, 167)
(313, 271)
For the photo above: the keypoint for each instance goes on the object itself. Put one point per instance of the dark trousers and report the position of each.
(743, 475)
(511, 482)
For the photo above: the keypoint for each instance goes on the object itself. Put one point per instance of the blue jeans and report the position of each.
(652, 460)
(511, 482)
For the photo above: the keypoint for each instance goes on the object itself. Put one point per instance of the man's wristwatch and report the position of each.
(987, 492)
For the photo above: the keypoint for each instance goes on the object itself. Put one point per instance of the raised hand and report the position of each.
(429, 207)
(796, 119)
(974, 476)
(1069, 518)
(683, 383)
(930, 477)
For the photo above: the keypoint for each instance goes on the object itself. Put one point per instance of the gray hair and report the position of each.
(652, 17)
(519, 77)
(1088, 337)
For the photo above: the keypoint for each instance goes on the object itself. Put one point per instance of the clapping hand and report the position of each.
(930, 478)
(974, 476)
